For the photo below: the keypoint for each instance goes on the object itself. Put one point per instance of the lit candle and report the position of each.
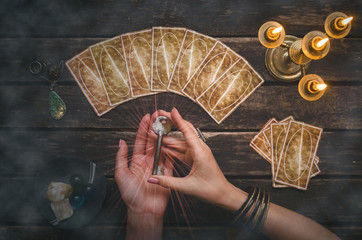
(338, 25)
(273, 33)
(319, 43)
(345, 21)
(314, 86)
(341, 23)
(311, 87)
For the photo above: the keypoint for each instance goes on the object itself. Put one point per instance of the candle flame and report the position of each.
(345, 21)
(277, 30)
(321, 86)
(322, 42)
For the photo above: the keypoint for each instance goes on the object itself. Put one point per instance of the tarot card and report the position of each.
(137, 47)
(278, 133)
(260, 145)
(194, 49)
(166, 44)
(267, 136)
(230, 90)
(85, 73)
(298, 154)
(219, 59)
(112, 68)
(315, 169)
(267, 131)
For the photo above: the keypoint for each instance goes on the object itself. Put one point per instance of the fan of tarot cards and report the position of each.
(164, 59)
(290, 147)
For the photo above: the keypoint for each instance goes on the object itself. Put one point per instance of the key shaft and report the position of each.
(157, 154)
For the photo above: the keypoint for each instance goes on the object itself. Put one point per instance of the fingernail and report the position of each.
(120, 143)
(152, 180)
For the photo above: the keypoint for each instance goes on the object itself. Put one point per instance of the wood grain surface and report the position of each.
(345, 56)
(80, 18)
(58, 30)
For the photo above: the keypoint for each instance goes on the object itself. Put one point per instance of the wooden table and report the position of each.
(59, 30)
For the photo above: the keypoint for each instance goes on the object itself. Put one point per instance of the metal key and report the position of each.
(161, 126)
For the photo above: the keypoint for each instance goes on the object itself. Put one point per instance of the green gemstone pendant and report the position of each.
(56, 106)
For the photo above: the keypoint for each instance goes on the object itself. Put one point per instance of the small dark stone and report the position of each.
(88, 190)
(77, 182)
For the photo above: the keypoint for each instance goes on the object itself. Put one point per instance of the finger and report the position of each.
(169, 166)
(176, 143)
(188, 132)
(175, 183)
(121, 161)
(171, 153)
(167, 114)
(164, 113)
(192, 127)
(141, 138)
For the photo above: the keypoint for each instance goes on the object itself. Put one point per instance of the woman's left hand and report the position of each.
(146, 202)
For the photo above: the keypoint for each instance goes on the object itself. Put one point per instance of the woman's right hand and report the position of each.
(205, 180)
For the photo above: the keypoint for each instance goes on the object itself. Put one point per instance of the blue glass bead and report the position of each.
(76, 200)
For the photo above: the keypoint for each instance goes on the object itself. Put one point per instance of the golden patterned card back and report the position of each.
(315, 169)
(195, 47)
(267, 131)
(298, 154)
(213, 66)
(230, 90)
(85, 73)
(278, 133)
(138, 53)
(259, 143)
(166, 45)
(111, 64)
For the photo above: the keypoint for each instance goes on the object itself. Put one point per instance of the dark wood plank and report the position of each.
(340, 65)
(112, 233)
(24, 151)
(217, 18)
(331, 202)
(27, 106)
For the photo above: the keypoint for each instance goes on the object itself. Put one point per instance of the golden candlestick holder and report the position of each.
(287, 57)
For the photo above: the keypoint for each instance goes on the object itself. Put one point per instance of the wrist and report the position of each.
(233, 198)
(144, 225)
(143, 217)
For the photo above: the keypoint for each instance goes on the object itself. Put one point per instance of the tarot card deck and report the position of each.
(163, 59)
(290, 147)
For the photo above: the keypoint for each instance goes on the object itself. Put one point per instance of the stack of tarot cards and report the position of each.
(290, 147)
(164, 59)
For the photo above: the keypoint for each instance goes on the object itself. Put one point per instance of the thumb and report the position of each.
(175, 183)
